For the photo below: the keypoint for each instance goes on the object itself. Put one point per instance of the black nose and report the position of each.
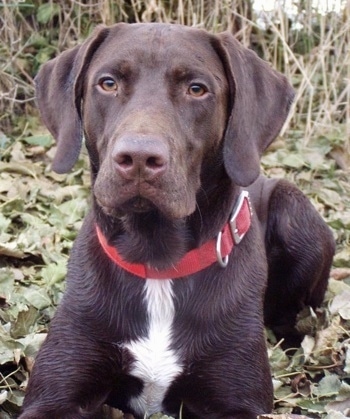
(140, 156)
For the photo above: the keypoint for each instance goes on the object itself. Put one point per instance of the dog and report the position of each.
(165, 302)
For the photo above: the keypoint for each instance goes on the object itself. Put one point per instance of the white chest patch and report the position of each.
(155, 363)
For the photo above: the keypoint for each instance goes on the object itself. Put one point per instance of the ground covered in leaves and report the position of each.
(41, 213)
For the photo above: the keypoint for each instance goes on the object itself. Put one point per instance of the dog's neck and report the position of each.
(148, 238)
(152, 239)
(216, 250)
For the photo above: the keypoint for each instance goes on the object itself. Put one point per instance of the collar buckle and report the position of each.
(237, 236)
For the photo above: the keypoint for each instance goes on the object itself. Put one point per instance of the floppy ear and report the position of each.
(260, 101)
(59, 92)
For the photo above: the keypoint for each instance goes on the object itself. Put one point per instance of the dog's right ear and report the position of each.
(59, 86)
(260, 101)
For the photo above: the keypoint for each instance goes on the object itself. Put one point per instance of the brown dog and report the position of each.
(165, 290)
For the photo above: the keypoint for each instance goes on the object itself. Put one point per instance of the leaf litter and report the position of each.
(41, 213)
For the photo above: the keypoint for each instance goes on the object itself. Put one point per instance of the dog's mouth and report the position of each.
(140, 198)
(136, 205)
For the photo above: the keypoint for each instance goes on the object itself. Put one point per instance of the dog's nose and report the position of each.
(140, 156)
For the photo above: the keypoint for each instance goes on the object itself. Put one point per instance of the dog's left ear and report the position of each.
(260, 102)
(58, 95)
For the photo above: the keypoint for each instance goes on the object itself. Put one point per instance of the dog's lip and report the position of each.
(142, 198)
(136, 204)
(139, 204)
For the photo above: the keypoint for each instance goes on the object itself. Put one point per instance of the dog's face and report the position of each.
(157, 103)
(152, 109)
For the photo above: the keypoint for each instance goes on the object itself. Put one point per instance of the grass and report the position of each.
(315, 55)
(41, 212)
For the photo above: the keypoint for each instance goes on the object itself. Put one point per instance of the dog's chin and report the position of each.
(142, 206)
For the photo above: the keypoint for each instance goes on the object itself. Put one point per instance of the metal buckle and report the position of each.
(237, 238)
(233, 225)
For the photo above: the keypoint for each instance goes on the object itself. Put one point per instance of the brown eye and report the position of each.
(108, 84)
(196, 90)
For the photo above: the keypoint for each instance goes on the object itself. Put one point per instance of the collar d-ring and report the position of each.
(221, 261)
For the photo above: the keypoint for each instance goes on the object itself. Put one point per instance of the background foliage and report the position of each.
(41, 212)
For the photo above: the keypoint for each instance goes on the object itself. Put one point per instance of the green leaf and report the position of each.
(16, 397)
(4, 223)
(330, 198)
(342, 257)
(37, 297)
(4, 141)
(294, 160)
(38, 41)
(7, 347)
(47, 11)
(32, 343)
(328, 386)
(334, 415)
(313, 406)
(7, 280)
(3, 396)
(42, 140)
(278, 359)
(341, 305)
(54, 272)
(24, 322)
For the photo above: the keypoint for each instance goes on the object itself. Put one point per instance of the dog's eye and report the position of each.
(196, 90)
(108, 84)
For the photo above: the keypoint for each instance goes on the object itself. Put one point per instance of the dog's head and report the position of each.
(156, 103)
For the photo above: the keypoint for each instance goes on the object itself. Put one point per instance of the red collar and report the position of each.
(215, 250)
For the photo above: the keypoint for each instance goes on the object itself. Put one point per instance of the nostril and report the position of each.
(124, 160)
(155, 162)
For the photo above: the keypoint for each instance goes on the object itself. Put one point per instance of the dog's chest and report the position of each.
(156, 363)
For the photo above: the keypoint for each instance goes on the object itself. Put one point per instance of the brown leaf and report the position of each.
(300, 384)
(340, 273)
(341, 156)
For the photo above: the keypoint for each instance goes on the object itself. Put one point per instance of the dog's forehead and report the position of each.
(157, 44)
(157, 36)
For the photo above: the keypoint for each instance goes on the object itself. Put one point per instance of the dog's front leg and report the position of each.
(71, 377)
